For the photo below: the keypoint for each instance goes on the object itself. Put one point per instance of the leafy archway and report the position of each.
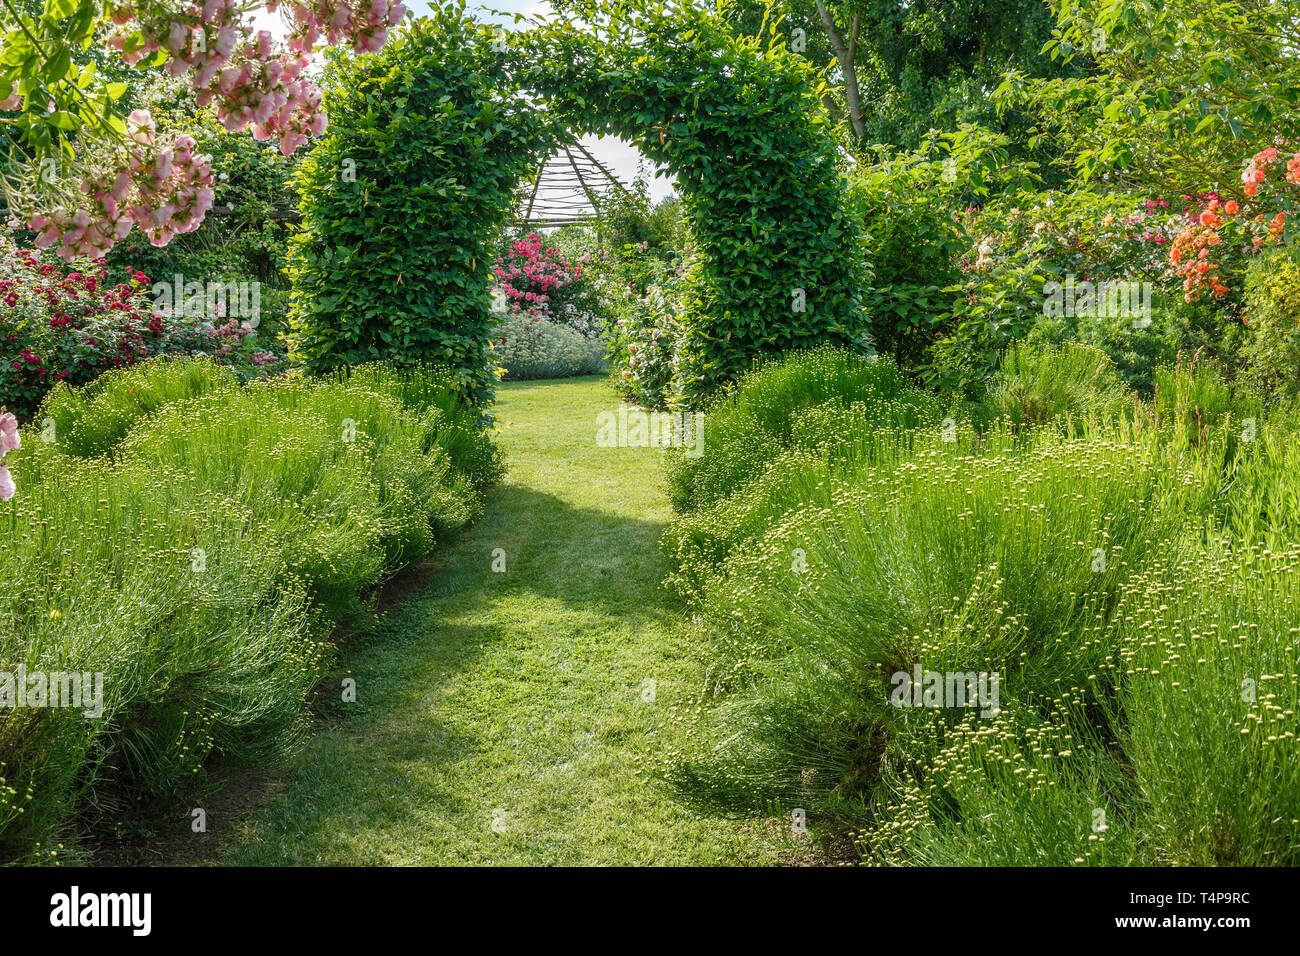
(738, 122)
(462, 110)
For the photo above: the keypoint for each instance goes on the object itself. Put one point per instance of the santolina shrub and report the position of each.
(749, 427)
(1139, 606)
(783, 435)
(194, 542)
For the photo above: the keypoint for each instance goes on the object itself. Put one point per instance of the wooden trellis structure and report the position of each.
(568, 189)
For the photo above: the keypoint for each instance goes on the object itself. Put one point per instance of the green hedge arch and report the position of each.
(441, 124)
(738, 122)
(402, 198)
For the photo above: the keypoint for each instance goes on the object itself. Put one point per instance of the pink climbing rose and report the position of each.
(245, 75)
(9, 440)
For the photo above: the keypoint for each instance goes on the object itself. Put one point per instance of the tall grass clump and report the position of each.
(1037, 385)
(200, 566)
(957, 560)
(1193, 396)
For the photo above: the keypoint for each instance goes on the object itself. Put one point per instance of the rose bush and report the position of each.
(537, 279)
(57, 325)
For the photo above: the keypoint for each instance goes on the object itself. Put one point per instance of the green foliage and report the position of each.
(928, 65)
(195, 542)
(923, 557)
(994, 307)
(1166, 93)
(918, 295)
(434, 395)
(1135, 352)
(737, 122)
(919, 66)
(1272, 348)
(1021, 239)
(648, 326)
(529, 348)
(72, 86)
(639, 231)
(402, 200)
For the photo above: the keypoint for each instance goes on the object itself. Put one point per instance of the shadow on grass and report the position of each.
(588, 559)
(352, 776)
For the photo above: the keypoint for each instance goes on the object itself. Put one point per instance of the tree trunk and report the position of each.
(845, 53)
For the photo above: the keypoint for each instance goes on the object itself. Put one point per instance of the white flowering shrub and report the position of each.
(530, 347)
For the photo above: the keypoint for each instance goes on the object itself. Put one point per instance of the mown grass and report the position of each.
(546, 698)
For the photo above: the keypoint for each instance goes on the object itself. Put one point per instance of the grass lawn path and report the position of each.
(500, 716)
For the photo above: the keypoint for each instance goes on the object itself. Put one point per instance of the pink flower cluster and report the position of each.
(165, 192)
(243, 76)
(9, 441)
(247, 79)
(529, 273)
(1255, 170)
(12, 99)
(365, 24)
